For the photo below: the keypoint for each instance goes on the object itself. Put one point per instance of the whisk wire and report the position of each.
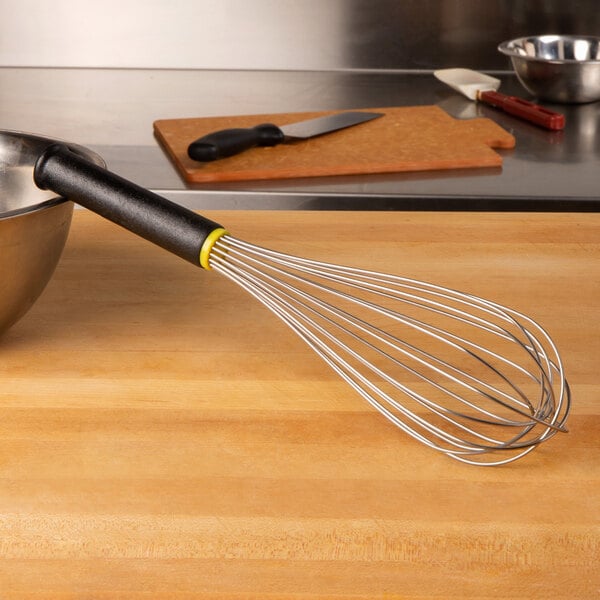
(367, 356)
(442, 412)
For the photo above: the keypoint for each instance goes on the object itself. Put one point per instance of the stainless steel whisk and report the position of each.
(477, 381)
(465, 376)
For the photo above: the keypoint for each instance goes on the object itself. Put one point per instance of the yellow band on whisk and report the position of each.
(208, 244)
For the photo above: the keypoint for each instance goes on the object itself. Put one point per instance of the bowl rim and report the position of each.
(42, 139)
(26, 210)
(504, 48)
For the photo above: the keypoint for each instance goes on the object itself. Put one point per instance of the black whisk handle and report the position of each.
(165, 223)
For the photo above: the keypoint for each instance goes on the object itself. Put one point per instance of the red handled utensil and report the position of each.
(481, 87)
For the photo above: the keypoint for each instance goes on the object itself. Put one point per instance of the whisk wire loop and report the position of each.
(463, 375)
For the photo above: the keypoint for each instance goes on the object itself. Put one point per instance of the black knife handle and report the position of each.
(229, 142)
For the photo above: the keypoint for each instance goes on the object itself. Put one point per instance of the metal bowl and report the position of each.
(557, 68)
(34, 225)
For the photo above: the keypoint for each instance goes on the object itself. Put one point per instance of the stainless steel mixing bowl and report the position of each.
(557, 68)
(33, 225)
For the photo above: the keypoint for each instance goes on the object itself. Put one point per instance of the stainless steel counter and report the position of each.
(112, 110)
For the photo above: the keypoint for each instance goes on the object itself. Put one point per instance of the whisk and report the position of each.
(465, 376)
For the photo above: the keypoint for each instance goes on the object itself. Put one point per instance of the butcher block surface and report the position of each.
(415, 138)
(163, 436)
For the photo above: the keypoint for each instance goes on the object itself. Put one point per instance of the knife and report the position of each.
(228, 142)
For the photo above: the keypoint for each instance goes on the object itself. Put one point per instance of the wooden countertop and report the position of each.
(163, 436)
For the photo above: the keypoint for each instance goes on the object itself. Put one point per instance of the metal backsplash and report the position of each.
(279, 34)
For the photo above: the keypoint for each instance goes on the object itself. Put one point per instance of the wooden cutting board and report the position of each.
(415, 138)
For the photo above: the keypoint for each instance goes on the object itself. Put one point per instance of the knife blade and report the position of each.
(228, 142)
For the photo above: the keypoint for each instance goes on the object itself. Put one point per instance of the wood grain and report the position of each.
(413, 138)
(163, 436)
